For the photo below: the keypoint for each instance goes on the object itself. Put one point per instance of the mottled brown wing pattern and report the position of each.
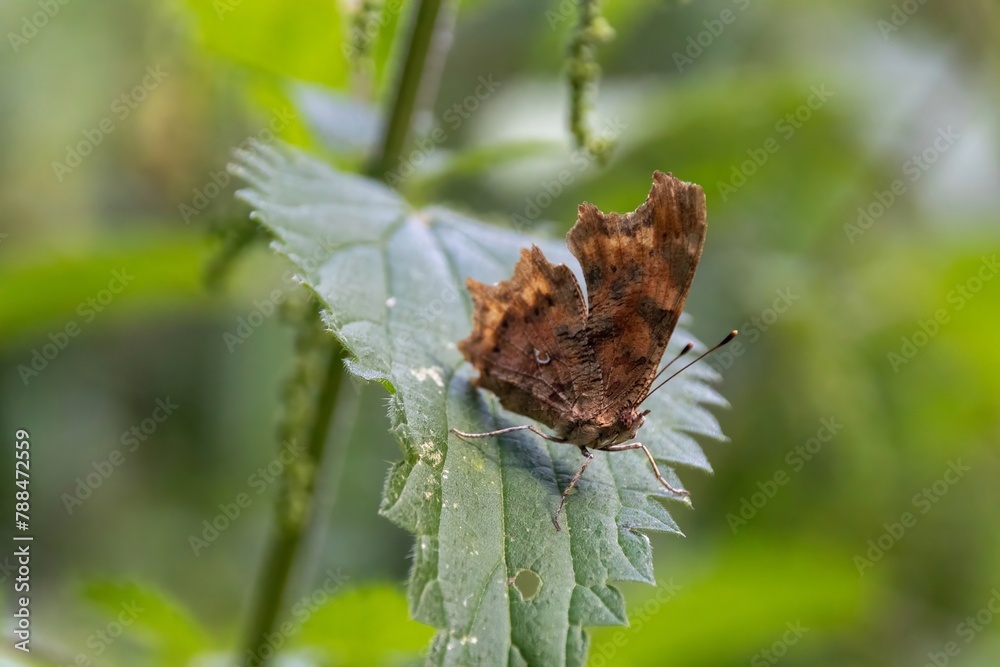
(638, 268)
(530, 344)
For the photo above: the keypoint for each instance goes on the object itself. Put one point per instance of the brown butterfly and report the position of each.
(584, 371)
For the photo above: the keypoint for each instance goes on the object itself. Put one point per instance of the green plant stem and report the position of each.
(296, 508)
(297, 503)
(408, 86)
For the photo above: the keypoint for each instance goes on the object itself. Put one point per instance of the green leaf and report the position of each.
(33, 284)
(795, 581)
(345, 124)
(163, 623)
(298, 40)
(393, 280)
(363, 626)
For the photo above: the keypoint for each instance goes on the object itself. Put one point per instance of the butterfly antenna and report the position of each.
(724, 341)
(687, 348)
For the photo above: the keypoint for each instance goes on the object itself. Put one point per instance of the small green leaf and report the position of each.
(33, 285)
(162, 622)
(490, 572)
(298, 40)
(364, 626)
(344, 124)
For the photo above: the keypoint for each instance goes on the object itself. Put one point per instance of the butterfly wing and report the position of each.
(530, 344)
(638, 268)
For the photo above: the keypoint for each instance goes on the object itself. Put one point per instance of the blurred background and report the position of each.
(849, 152)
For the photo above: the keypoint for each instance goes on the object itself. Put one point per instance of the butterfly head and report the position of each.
(628, 423)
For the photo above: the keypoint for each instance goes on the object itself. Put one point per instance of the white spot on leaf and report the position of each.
(430, 453)
(432, 372)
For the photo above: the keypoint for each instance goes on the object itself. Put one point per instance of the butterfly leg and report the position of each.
(576, 478)
(656, 469)
(509, 429)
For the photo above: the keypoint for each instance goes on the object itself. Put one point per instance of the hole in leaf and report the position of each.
(527, 583)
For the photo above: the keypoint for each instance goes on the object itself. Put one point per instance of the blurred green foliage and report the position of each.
(858, 298)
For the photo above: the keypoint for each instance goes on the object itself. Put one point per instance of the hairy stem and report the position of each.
(584, 72)
(308, 395)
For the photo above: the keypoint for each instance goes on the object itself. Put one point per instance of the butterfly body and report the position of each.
(597, 435)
